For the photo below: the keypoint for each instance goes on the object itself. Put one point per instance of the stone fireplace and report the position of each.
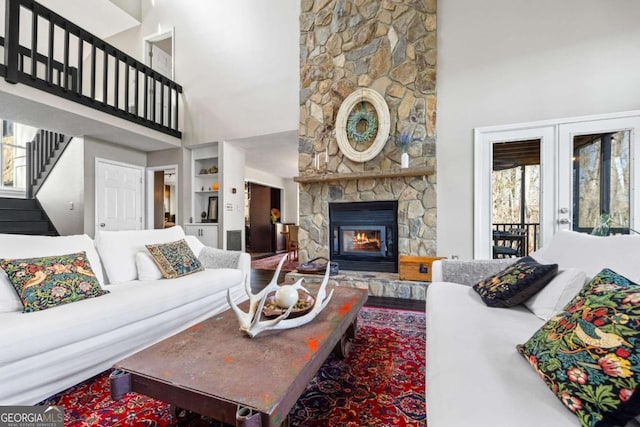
(390, 47)
(363, 235)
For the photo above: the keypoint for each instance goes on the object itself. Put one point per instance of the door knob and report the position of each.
(564, 210)
(102, 224)
(564, 221)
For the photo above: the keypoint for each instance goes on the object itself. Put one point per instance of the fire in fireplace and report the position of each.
(364, 240)
(364, 235)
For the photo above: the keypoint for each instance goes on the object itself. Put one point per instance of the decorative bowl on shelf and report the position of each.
(302, 307)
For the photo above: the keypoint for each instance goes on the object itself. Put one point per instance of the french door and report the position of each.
(588, 171)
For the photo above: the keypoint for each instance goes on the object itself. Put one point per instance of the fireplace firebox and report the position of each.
(364, 235)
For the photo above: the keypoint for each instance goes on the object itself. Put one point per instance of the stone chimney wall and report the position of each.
(390, 47)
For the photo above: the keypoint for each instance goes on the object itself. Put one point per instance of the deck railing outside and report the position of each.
(532, 236)
(48, 52)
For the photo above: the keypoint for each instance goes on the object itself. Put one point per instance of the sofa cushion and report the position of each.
(553, 297)
(146, 266)
(516, 283)
(591, 254)
(174, 259)
(9, 300)
(48, 282)
(588, 354)
(474, 377)
(195, 244)
(127, 303)
(118, 249)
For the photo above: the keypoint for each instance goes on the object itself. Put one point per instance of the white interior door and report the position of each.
(160, 61)
(590, 176)
(119, 196)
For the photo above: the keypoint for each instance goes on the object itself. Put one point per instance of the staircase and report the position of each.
(42, 155)
(24, 216)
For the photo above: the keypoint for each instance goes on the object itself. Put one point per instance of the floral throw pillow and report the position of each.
(50, 281)
(515, 284)
(174, 259)
(589, 354)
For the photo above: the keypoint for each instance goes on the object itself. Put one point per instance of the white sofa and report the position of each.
(46, 351)
(475, 376)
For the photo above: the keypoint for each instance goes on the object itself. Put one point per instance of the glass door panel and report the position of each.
(601, 182)
(515, 184)
(596, 175)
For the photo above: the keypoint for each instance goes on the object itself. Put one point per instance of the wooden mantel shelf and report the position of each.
(390, 173)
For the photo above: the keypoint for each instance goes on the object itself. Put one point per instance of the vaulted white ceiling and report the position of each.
(238, 61)
(102, 18)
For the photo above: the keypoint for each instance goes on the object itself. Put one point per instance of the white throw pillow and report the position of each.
(147, 267)
(9, 300)
(553, 297)
(194, 244)
(118, 249)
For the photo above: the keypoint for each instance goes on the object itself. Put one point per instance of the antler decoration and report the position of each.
(250, 322)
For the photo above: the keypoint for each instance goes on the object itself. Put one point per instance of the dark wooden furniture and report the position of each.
(292, 241)
(214, 369)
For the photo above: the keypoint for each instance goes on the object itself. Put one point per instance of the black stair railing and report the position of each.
(42, 155)
(65, 60)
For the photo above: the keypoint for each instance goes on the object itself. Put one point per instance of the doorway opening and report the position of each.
(264, 229)
(162, 197)
(515, 184)
(159, 54)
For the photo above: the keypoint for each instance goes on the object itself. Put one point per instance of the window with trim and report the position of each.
(12, 158)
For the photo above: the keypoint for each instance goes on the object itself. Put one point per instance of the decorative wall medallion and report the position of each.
(362, 125)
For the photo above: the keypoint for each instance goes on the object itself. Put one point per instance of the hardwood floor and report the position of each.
(260, 278)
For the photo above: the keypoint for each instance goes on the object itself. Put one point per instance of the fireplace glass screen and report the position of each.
(363, 240)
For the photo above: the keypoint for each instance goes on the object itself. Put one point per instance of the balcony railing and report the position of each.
(48, 52)
(530, 238)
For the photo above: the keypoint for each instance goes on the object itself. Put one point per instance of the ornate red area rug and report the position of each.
(271, 263)
(381, 383)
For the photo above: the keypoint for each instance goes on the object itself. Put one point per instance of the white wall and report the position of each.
(289, 195)
(513, 61)
(62, 194)
(95, 148)
(291, 204)
(231, 176)
(235, 83)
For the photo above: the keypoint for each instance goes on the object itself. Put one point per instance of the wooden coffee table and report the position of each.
(215, 370)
